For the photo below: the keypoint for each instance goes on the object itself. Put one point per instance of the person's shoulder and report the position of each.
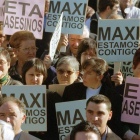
(77, 85)
(111, 135)
(26, 136)
(13, 82)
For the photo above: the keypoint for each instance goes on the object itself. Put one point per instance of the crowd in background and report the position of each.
(25, 60)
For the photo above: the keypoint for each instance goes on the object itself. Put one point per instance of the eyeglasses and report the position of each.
(33, 49)
(61, 71)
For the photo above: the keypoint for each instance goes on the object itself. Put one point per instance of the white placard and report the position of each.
(24, 15)
(55, 38)
(68, 115)
(73, 19)
(34, 98)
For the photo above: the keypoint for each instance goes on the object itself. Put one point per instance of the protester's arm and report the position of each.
(117, 78)
(130, 131)
(47, 61)
(62, 42)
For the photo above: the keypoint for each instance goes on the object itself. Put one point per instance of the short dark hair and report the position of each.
(136, 58)
(86, 44)
(102, 5)
(98, 65)
(98, 99)
(18, 37)
(19, 103)
(84, 126)
(39, 66)
(6, 54)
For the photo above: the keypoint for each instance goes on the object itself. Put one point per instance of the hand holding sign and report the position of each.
(47, 61)
(117, 78)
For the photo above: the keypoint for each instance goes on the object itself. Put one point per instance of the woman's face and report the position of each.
(87, 55)
(90, 78)
(66, 74)
(32, 77)
(136, 71)
(4, 66)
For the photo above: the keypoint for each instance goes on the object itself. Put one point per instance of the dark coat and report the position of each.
(94, 24)
(77, 91)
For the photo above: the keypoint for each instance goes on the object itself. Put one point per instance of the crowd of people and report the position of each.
(25, 60)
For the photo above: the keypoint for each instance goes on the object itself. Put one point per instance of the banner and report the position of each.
(73, 19)
(55, 38)
(118, 41)
(126, 69)
(34, 98)
(24, 15)
(131, 101)
(68, 115)
(2, 9)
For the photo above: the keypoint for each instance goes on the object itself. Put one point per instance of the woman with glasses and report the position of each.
(34, 72)
(67, 70)
(5, 79)
(24, 46)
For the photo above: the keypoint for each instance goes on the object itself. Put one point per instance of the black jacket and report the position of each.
(77, 91)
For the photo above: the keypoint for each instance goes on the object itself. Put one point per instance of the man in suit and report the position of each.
(12, 111)
(106, 8)
(98, 112)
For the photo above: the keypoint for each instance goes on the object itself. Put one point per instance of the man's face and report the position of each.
(98, 115)
(86, 136)
(10, 113)
(26, 51)
(74, 41)
(115, 9)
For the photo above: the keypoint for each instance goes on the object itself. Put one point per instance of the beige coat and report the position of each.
(26, 136)
(111, 135)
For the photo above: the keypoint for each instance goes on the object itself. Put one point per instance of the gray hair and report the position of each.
(6, 131)
(69, 60)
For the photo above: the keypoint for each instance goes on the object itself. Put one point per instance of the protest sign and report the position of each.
(59, 88)
(24, 15)
(34, 98)
(126, 69)
(2, 9)
(68, 115)
(55, 38)
(73, 19)
(118, 41)
(131, 101)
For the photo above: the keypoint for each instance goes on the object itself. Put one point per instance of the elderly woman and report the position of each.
(5, 79)
(34, 72)
(67, 70)
(95, 82)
